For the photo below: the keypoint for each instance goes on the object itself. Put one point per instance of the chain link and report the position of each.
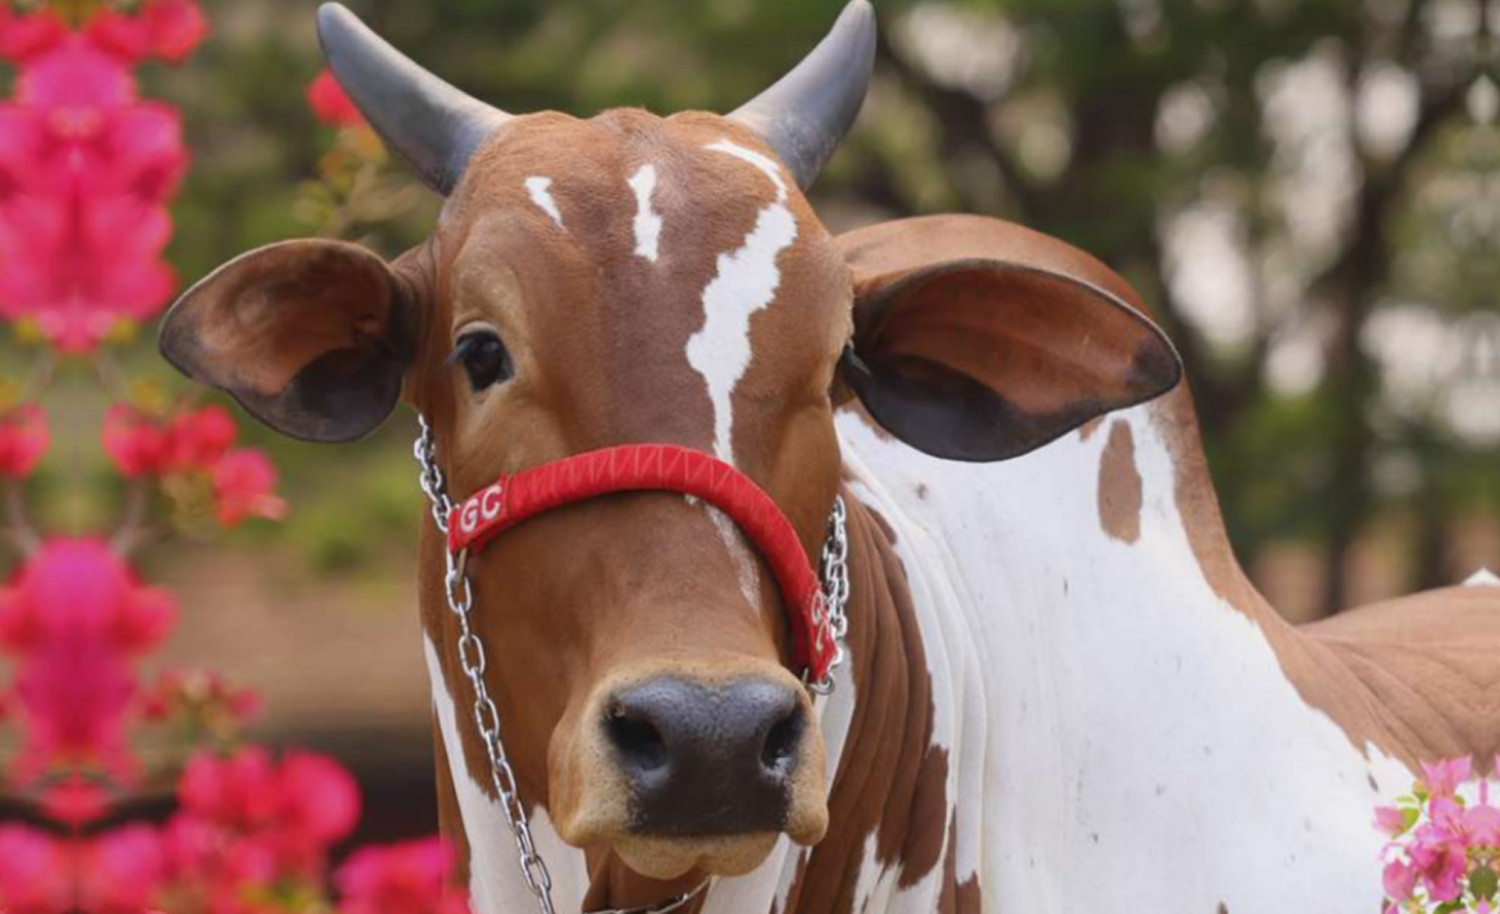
(474, 661)
(835, 574)
(471, 656)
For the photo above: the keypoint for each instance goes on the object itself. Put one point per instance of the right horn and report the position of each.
(807, 112)
(425, 121)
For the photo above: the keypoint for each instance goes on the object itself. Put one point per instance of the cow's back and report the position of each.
(1430, 661)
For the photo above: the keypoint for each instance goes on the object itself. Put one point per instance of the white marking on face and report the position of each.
(537, 187)
(745, 282)
(495, 882)
(647, 220)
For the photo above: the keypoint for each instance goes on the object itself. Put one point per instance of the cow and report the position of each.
(1059, 690)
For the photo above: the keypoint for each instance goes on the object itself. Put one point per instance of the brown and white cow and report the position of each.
(1061, 690)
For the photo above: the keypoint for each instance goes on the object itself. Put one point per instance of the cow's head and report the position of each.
(631, 278)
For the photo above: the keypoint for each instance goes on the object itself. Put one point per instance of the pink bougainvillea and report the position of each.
(331, 103)
(86, 172)
(23, 440)
(87, 168)
(1444, 852)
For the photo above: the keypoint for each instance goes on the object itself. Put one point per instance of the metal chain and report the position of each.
(835, 574)
(471, 656)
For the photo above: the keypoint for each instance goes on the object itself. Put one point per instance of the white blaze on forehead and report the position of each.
(744, 283)
(537, 187)
(647, 220)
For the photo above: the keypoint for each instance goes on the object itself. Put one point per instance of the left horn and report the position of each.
(807, 112)
(427, 122)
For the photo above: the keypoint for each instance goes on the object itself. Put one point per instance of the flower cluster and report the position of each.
(75, 619)
(1444, 853)
(192, 452)
(23, 440)
(87, 170)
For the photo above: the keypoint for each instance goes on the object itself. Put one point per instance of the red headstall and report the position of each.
(663, 467)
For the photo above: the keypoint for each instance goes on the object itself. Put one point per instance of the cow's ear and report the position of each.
(312, 337)
(978, 340)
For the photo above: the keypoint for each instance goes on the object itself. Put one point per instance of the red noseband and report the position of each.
(668, 468)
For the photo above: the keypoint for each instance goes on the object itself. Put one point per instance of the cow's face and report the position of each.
(632, 279)
(664, 282)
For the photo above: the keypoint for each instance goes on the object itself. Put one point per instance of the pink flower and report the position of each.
(122, 871)
(169, 29)
(177, 26)
(75, 615)
(75, 801)
(1442, 778)
(320, 801)
(197, 440)
(34, 874)
(411, 878)
(1390, 820)
(243, 483)
(1400, 880)
(23, 441)
(135, 444)
(1441, 859)
(23, 37)
(85, 170)
(330, 103)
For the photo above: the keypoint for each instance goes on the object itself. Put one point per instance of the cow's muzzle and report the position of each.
(703, 774)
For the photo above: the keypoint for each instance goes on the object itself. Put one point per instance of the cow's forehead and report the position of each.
(653, 259)
(598, 163)
(628, 209)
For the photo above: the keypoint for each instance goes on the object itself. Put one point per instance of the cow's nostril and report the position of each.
(639, 742)
(707, 758)
(779, 752)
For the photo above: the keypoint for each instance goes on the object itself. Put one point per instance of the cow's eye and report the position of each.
(484, 357)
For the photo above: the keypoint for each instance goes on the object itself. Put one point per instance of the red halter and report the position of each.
(663, 467)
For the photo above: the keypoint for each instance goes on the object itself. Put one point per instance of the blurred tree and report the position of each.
(1305, 193)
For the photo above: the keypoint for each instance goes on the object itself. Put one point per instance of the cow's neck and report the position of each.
(1106, 685)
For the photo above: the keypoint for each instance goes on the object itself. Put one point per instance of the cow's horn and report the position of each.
(805, 114)
(427, 122)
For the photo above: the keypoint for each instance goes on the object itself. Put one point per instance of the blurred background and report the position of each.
(1306, 192)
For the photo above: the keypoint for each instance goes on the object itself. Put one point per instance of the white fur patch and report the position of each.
(537, 187)
(1110, 714)
(745, 282)
(495, 882)
(647, 220)
(1482, 578)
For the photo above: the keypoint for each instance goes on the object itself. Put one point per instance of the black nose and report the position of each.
(707, 759)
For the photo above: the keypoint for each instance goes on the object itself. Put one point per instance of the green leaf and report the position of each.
(1484, 882)
(1409, 815)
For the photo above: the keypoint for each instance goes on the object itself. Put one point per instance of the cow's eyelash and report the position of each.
(461, 348)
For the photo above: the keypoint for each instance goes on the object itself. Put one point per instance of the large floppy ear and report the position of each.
(312, 337)
(976, 339)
